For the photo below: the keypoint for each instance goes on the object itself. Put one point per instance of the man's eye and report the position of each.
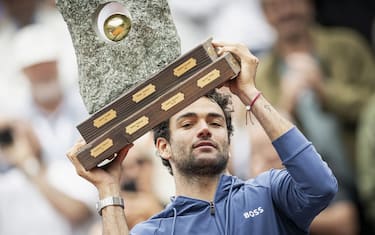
(216, 124)
(186, 125)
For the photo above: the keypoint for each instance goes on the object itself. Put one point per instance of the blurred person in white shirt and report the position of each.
(53, 110)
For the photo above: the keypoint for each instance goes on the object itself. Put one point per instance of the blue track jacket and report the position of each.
(275, 202)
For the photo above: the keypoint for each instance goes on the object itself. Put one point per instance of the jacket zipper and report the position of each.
(212, 208)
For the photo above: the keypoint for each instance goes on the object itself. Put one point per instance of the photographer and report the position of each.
(19, 146)
(51, 194)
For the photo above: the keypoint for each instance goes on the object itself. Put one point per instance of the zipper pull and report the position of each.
(212, 208)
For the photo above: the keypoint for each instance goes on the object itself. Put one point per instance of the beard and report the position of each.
(188, 164)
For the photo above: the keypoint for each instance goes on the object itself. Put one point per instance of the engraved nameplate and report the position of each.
(186, 66)
(136, 125)
(101, 148)
(145, 92)
(105, 118)
(210, 77)
(174, 100)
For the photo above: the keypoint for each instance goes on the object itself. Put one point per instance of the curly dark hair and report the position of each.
(223, 100)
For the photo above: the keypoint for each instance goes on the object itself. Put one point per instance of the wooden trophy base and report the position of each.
(140, 119)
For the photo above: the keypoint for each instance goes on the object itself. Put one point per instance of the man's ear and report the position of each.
(164, 148)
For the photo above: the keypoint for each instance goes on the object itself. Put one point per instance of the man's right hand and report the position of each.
(107, 179)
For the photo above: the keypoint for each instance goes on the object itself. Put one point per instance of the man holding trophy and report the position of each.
(193, 138)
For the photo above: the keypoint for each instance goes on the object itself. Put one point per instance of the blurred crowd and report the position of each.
(317, 67)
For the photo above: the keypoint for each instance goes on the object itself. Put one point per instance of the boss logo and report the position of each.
(253, 213)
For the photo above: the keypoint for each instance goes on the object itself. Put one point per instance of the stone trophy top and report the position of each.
(118, 44)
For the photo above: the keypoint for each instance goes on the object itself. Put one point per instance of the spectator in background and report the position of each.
(322, 78)
(35, 197)
(53, 111)
(366, 162)
(335, 64)
(17, 14)
(136, 183)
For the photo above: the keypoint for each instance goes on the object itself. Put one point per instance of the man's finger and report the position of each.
(72, 154)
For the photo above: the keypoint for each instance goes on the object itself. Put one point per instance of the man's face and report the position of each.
(289, 17)
(199, 139)
(43, 78)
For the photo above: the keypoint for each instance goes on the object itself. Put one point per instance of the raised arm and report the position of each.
(244, 87)
(308, 185)
(107, 181)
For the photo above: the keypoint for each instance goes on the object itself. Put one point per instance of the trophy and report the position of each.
(131, 75)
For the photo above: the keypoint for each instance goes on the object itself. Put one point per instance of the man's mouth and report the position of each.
(204, 144)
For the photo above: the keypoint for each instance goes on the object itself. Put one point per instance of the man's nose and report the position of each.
(204, 130)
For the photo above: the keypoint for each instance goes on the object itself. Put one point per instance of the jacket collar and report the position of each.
(186, 205)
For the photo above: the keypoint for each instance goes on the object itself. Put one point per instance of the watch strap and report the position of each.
(109, 201)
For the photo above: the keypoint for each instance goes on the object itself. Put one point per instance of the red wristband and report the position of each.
(248, 107)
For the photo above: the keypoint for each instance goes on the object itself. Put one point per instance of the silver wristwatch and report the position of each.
(109, 201)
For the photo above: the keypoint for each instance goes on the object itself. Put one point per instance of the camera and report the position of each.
(6, 137)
